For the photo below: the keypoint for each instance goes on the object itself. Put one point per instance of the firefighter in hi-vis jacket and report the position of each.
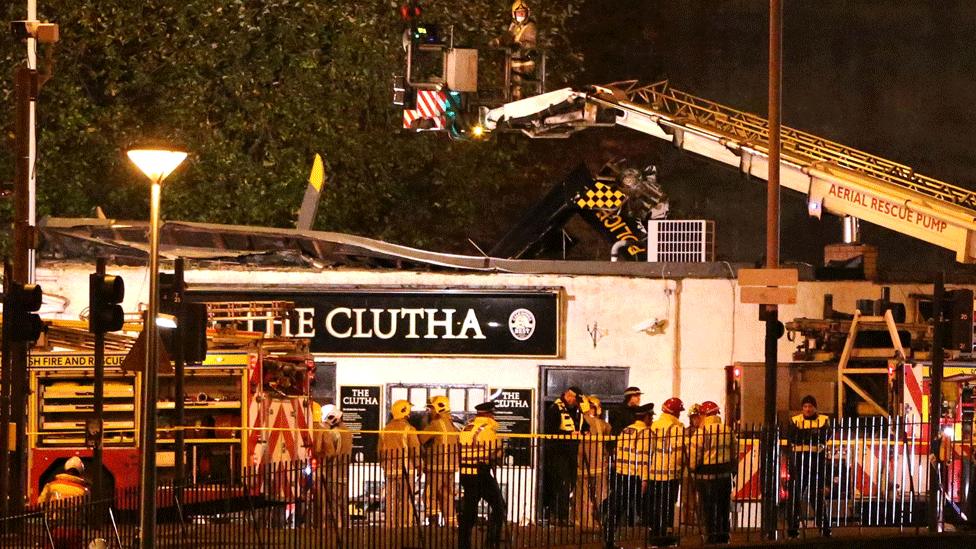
(712, 459)
(591, 478)
(399, 452)
(808, 433)
(480, 452)
(630, 473)
(521, 39)
(441, 456)
(665, 471)
(333, 450)
(69, 485)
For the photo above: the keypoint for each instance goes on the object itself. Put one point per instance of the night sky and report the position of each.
(893, 78)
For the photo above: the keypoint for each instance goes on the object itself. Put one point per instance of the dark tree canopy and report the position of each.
(253, 89)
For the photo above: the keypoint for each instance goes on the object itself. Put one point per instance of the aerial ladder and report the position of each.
(835, 179)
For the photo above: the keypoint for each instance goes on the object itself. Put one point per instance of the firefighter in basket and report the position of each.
(521, 40)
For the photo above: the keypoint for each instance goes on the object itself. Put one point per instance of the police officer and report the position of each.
(666, 467)
(712, 460)
(630, 472)
(622, 416)
(808, 433)
(399, 458)
(521, 38)
(480, 451)
(441, 459)
(564, 419)
(591, 479)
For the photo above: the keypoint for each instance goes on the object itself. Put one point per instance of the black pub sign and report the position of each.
(512, 323)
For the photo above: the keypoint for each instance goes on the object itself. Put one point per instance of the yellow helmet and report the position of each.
(440, 404)
(400, 409)
(520, 5)
(595, 404)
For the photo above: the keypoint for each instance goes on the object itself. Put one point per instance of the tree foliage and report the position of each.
(253, 89)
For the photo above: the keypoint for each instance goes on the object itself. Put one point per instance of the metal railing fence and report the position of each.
(645, 486)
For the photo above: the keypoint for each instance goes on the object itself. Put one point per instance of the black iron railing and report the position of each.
(642, 487)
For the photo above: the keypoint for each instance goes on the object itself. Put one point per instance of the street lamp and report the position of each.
(156, 164)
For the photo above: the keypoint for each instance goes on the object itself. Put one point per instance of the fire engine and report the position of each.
(246, 404)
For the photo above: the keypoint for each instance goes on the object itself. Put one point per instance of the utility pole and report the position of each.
(935, 405)
(27, 84)
(5, 399)
(770, 312)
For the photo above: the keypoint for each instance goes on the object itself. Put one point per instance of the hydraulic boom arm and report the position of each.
(835, 179)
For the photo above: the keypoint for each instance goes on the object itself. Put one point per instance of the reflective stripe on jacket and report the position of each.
(667, 448)
(633, 450)
(479, 444)
(64, 486)
(713, 450)
(809, 434)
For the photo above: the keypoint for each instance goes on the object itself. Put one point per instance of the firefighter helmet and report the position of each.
(673, 406)
(709, 408)
(520, 5)
(333, 417)
(595, 404)
(440, 404)
(74, 462)
(400, 409)
(695, 410)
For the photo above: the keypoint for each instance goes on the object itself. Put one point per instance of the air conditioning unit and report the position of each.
(680, 240)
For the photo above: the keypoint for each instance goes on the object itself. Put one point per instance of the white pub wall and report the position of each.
(704, 329)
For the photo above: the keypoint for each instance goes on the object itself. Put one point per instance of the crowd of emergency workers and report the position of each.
(598, 474)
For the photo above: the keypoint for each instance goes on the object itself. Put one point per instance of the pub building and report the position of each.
(388, 322)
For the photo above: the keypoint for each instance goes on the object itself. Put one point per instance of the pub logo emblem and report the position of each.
(521, 323)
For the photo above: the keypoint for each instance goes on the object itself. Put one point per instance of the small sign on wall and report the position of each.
(513, 412)
(360, 407)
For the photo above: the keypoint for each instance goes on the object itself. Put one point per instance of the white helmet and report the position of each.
(74, 462)
(333, 417)
(324, 411)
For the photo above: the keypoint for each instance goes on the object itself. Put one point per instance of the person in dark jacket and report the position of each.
(808, 433)
(564, 419)
(623, 416)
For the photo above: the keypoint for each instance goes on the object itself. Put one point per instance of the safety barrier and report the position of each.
(643, 487)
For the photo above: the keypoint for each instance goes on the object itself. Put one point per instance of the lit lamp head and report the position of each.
(157, 164)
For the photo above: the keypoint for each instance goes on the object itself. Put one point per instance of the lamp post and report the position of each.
(156, 164)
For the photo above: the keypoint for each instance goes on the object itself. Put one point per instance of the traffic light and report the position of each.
(105, 294)
(190, 317)
(20, 307)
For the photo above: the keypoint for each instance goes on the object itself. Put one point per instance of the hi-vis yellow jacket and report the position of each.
(633, 450)
(399, 448)
(713, 450)
(479, 445)
(440, 443)
(667, 448)
(809, 435)
(64, 486)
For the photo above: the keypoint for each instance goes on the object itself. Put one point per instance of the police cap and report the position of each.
(644, 409)
(486, 406)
